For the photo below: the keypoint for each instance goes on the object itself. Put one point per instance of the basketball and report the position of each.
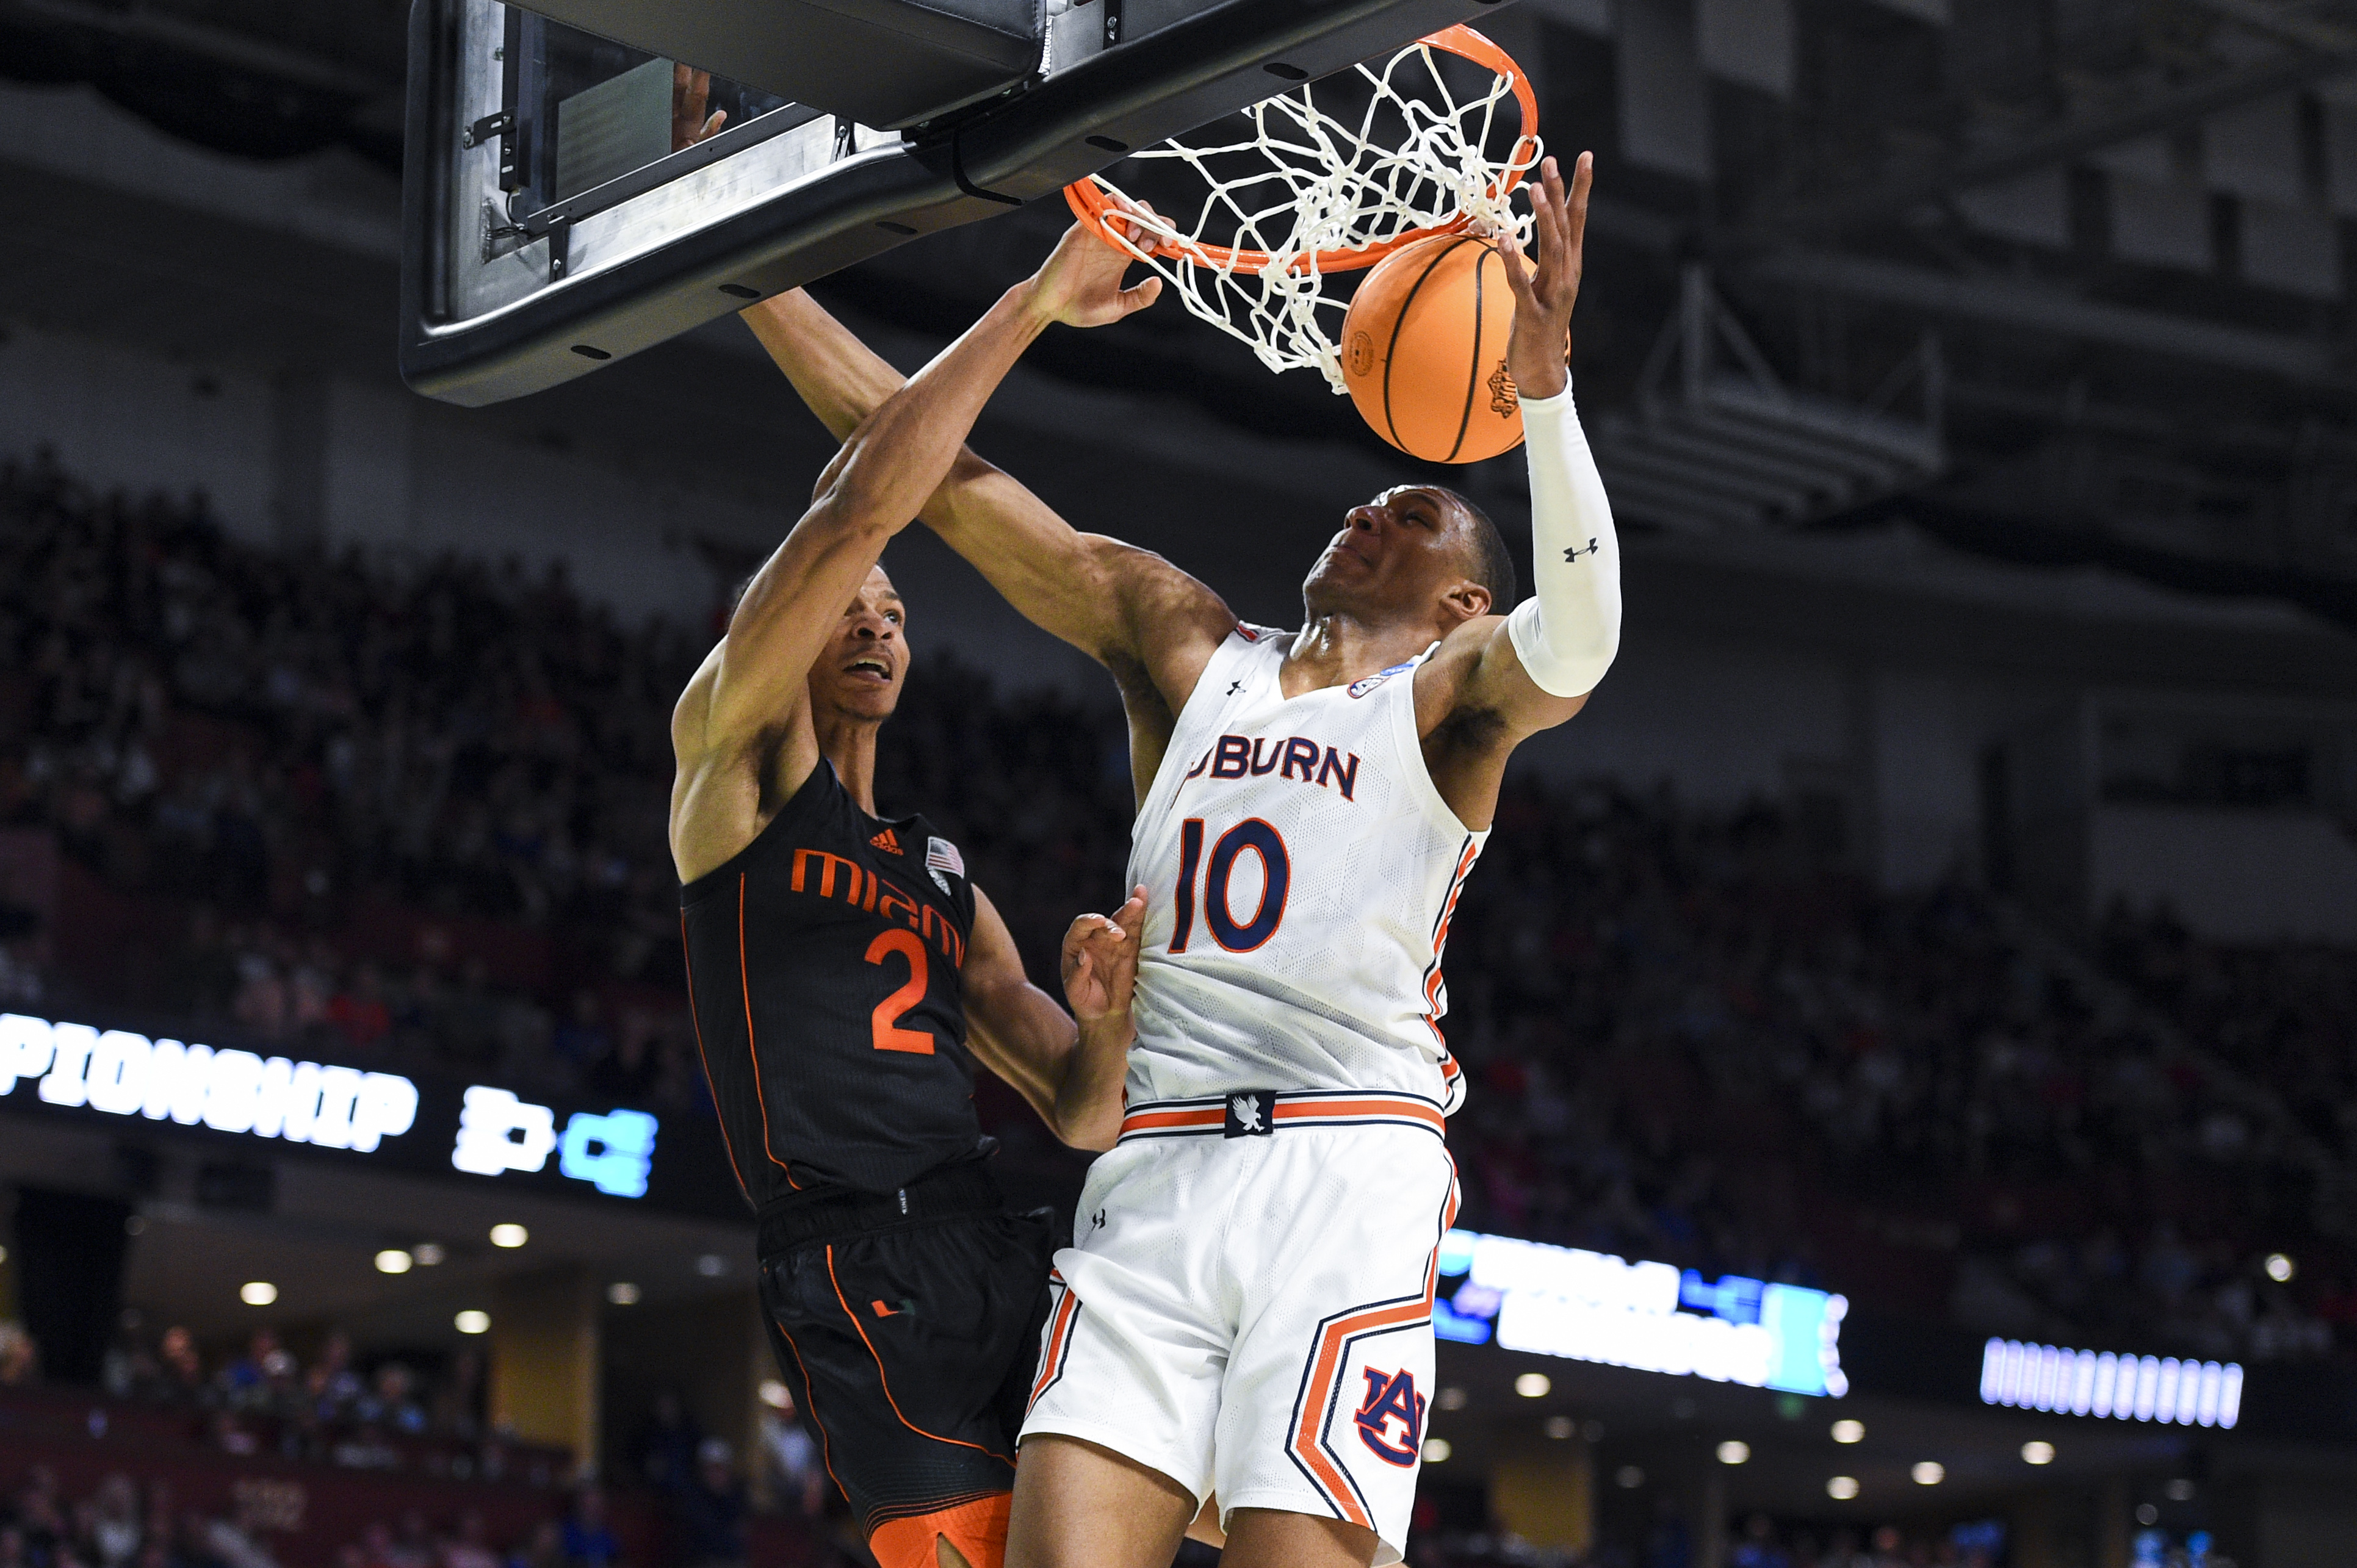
(1423, 352)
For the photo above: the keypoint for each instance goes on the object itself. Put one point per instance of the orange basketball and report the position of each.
(1423, 352)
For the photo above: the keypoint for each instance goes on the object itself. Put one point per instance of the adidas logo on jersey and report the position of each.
(888, 841)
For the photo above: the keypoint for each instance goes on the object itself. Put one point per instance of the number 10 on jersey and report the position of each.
(1251, 836)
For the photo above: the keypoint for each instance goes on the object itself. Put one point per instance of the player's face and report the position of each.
(1395, 556)
(864, 664)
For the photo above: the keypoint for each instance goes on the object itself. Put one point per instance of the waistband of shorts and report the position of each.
(961, 1188)
(1257, 1112)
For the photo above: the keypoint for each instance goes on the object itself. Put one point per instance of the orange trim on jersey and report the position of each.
(886, 1383)
(745, 976)
(1432, 979)
(1326, 1370)
(810, 1408)
(1300, 1110)
(1316, 1110)
(688, 961)
(1060, 1341)
(977, 1528)
(1147, 1121)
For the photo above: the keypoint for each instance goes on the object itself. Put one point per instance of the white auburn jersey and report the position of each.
(1300, 869)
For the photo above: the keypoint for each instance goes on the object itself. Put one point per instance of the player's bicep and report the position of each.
(789, 610)
(1478, 672)
(1498, 684)
(1172, 623)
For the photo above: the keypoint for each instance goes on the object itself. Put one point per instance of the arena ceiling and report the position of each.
(2098, 247)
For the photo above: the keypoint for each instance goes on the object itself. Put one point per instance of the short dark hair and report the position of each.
(1488, 560)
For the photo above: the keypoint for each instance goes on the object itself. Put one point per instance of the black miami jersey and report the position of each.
(825, 971)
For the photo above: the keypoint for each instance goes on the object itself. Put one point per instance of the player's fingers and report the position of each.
(1140, 294)
(1519, 271)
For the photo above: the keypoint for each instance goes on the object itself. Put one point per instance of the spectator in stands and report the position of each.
(664, 1451)
(470, 1547)
(710, 1510)
(112, 1527)
(797, 1469)
(20, 1357)
(544, 1548)
(588, 1541)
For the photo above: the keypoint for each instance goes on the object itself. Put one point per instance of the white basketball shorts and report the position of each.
(1247, 1307)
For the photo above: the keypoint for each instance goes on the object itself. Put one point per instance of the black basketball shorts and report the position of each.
(906, 1327)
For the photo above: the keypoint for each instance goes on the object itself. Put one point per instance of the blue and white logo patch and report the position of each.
(1360, 688)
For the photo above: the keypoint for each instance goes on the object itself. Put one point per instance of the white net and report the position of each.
(1305, 192)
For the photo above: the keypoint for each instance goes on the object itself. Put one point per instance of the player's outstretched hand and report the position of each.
(1079, 282)
(1540, 342)
(690, 91)
(1100, 960)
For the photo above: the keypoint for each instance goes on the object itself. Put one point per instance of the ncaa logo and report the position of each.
(1391, 1421)
(1360, 688)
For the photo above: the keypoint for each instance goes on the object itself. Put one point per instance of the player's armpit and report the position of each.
(1475, 703)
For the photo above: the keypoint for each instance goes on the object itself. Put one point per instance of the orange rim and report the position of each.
(1091, 198)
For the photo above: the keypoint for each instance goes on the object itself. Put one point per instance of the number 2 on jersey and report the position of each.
(890, 1036)
(1219, 915)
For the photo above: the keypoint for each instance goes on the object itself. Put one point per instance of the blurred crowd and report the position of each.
(417, 810)
(1759, 1542)
(1698, 1037)
(123, 1523)
(119, 1525)
(384, 1413)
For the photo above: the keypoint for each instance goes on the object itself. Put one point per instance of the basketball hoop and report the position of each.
(1306, 195)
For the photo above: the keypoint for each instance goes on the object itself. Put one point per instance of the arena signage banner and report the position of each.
(479, 1130)
(2158, 1389)
(126, 1074)
(1594, 1306)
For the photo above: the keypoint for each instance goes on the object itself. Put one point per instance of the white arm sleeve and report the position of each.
(1567, 633)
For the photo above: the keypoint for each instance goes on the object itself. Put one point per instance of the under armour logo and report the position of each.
(1097, 1221)
(1575, 553)
(1252, 1114)
(1234, 686)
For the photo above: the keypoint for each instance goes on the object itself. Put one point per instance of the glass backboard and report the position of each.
(563, 210)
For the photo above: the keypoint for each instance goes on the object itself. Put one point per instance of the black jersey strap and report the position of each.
(964, 1188)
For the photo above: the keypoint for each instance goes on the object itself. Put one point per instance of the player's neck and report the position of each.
(850, 745)
(1337, 648)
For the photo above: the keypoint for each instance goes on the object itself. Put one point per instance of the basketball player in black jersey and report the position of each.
(845, 975)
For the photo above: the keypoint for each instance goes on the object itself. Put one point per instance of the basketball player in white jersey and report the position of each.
(1246, 1311)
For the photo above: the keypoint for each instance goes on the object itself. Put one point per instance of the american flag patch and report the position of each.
(942, 855)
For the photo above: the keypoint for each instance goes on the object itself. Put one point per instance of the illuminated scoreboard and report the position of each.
(1653, 1318)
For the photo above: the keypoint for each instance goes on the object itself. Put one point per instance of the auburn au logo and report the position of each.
(1391, 1422)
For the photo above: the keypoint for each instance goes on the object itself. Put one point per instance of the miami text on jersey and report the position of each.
(876, 894)
(1298, 758)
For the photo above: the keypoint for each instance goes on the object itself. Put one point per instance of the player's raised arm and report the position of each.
(1537, 665)
(1068, 1066)
(1128, 608)
(754, 682)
